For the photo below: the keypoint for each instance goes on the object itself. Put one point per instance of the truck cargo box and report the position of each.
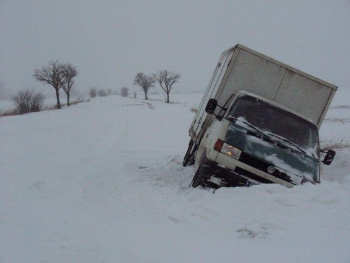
(243, 69)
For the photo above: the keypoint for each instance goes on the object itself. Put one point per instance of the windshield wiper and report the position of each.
(288, 141)
(267, 137)
(262, 134)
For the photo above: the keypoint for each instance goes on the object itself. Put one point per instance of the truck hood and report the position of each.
(282, 162)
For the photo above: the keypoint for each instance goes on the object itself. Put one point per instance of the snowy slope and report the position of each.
(102, 181)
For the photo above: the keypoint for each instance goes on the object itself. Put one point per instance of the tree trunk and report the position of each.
(58, 99)
(146, 98)
(67, 99)
(167, 98)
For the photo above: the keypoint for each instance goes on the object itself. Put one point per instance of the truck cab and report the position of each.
(256, 141)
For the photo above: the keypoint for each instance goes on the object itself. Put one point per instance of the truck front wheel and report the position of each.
(190, 154)
(197, 178)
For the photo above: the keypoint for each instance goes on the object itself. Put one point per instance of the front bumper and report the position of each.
(214, 175)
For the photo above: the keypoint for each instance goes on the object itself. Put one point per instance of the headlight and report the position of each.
(227, 149)
(231, 151)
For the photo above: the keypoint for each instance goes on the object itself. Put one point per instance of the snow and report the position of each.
(296, 175)
(102, 181)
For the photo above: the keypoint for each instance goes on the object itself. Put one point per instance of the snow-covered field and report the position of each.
(102, 181)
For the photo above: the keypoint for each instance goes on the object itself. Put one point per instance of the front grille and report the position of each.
(250, 175)
(262, 166)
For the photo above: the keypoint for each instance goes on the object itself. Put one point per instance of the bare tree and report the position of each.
(166, 80)
(52, 74)
(145, 82)
(69, 73)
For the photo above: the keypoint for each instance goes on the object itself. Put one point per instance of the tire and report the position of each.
(197, 178)
(188, 154)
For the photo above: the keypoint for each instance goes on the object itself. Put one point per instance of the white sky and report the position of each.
(111, 41)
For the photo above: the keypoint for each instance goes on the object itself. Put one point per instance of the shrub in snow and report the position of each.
(28, 101)
(9, 112)
(102, 93)
(124, 92)
(93, 92)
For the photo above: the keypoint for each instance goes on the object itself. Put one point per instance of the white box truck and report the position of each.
(258, 123)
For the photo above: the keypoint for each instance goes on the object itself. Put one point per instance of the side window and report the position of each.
(221, 112)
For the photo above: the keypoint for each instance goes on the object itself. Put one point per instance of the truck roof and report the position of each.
(256, 73)
(240, 46)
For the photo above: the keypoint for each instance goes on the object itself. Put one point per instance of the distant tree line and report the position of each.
(61, 76)
(58, 75)
(94, 92)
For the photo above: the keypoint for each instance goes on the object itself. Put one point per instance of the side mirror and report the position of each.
(211, 106)
(329, 157)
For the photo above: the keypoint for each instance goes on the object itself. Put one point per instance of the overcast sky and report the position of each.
(110, 41)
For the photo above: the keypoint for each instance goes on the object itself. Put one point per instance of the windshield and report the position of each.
(271, 119)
